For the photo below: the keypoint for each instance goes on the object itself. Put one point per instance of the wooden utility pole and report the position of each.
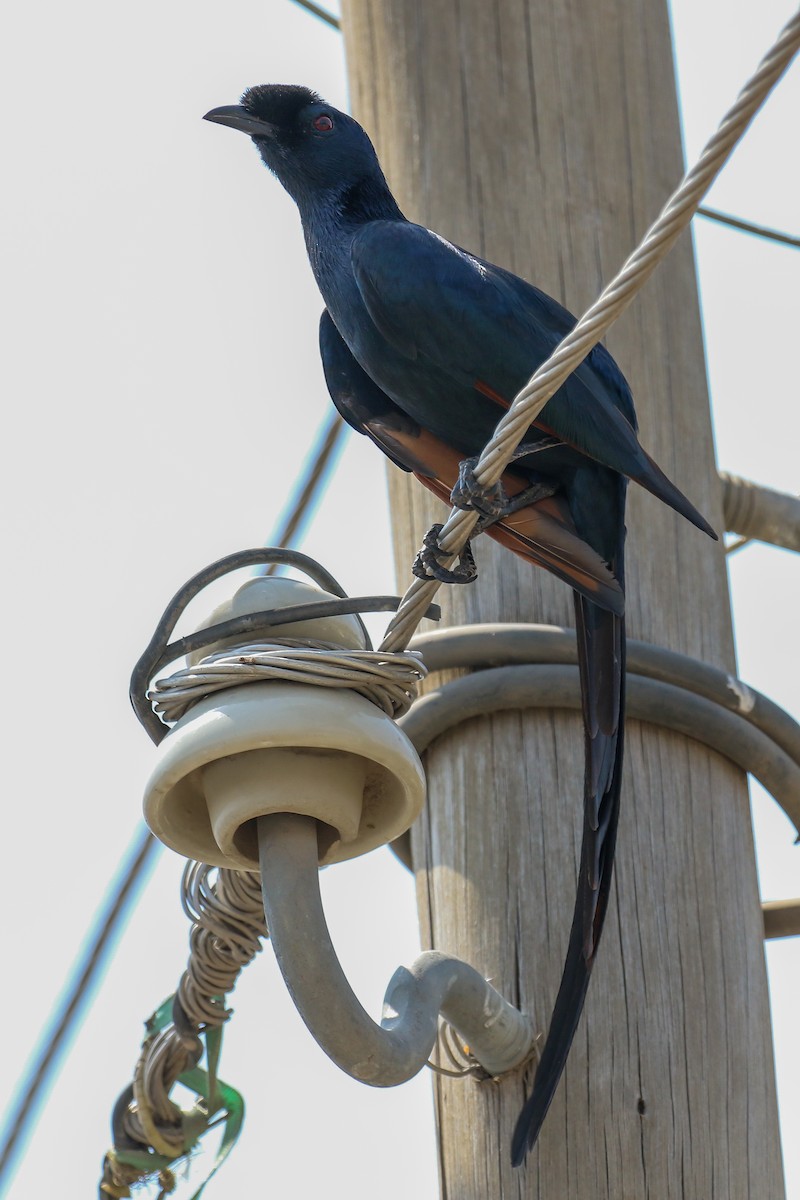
(544, 135)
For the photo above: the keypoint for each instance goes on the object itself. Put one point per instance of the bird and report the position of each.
(424, 346)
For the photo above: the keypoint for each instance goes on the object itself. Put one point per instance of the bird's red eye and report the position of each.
(322, 123)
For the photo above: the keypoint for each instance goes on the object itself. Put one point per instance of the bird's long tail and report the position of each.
(601, 655)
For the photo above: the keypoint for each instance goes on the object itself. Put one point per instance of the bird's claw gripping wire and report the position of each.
(429, 562)
(492, 503)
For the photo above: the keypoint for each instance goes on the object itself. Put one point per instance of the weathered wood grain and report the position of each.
(544, 135)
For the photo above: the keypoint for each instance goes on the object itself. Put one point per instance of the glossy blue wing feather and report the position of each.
(436, 304)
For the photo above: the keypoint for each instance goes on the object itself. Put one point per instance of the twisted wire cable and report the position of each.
(226, 936)
(615, 298)
(227, 932)
(387, 680)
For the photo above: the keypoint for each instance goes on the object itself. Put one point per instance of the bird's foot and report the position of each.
(469, 494)
(493, 503)
(429, 562)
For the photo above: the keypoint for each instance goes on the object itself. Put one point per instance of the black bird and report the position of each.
(423, 346)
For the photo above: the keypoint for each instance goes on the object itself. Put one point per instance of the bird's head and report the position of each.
(309, 145)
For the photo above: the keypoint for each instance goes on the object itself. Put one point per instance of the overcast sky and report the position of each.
(163, 388)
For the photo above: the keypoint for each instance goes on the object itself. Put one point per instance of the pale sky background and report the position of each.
(162, 388)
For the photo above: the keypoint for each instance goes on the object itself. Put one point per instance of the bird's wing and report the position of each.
(489, 330)
(357, 399)
(432, 300)
(543, 532)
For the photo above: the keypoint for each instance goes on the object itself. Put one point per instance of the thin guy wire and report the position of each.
(306, 491)
(529, 402)
(105, 929)
(320, 12)
(773, 235)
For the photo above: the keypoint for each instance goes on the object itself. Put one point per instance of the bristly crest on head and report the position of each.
(278, 103)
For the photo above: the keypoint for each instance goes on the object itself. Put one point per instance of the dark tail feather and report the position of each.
(601, 655)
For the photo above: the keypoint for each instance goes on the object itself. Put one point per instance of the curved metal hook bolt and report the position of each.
(498, 1035)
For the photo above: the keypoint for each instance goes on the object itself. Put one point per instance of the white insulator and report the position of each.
(267, 592)
(267, 747)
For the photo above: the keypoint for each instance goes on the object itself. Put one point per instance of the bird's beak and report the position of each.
(239, 118)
